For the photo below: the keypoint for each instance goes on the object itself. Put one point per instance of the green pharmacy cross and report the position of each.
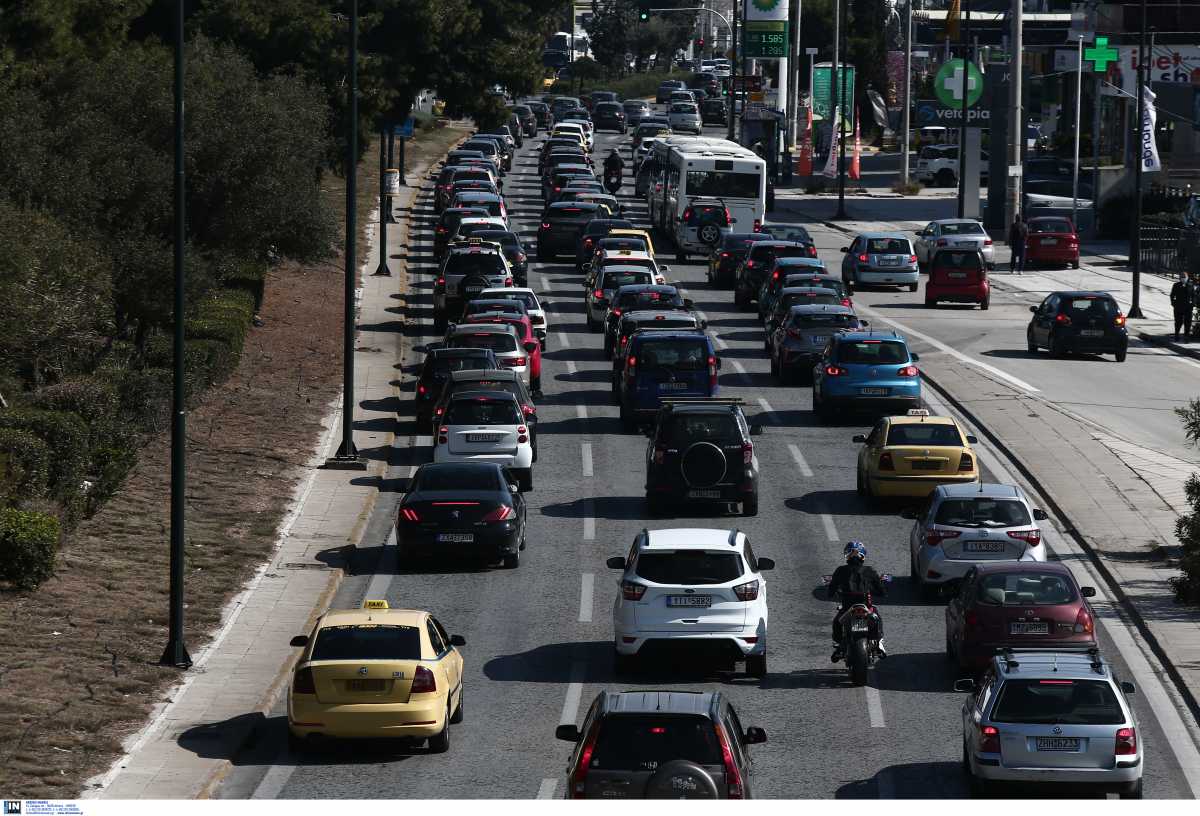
(1101, 55)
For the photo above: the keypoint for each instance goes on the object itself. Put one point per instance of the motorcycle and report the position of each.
(612, 181)
(860, 627)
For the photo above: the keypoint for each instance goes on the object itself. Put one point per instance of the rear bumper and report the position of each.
(670, 488)
(991, 767)
(913, 486)
(888, 277)
(521, 460)
(414, 720)
(1053, 254)
(954, 569)
(491, 543)
(971, 293)
(731, 645)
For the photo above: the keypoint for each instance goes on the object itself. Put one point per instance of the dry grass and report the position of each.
(79, 657)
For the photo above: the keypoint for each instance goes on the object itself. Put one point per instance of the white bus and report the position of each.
(689, 167)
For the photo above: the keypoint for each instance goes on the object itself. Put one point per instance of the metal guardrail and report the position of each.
(1162, 250)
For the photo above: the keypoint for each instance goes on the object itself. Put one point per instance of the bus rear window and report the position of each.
(723, 184)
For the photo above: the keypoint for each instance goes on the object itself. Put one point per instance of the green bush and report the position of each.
(28, 545)
(249, 277)
(24, 466)
(66, 435)
(634, 86)
(93, 399)
(144, 394)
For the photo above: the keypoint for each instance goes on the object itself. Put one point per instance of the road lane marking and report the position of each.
(546, 789)
(382, 578)
(570, 709)
(830, 528)
(741, 369)
(768, 410)
(581, 410)
(955, 353)
(571, 367)
(589, 519)
(587, 459)
(275, 779)
(805, 470)
(564, 339)
(585, 597)
(875, 708)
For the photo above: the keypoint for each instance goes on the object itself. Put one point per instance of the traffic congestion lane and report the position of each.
(534, 655)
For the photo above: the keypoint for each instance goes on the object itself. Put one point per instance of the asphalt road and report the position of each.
(539, 638)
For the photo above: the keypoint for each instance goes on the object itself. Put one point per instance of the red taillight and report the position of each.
(579, 776)
(908, 371)
(912, 259)
(749, 264)
(971, 618)
(862, 257)
(632, 591)
(966, 463)
(757, 225)
(1126, 741)
(616, 312)
(989, 739)
(632, 361)
(441, 229)
(303, 683)
(987, 241)
(934, 538)
(409, 514)
(513, 362)
(1119, 320)
(687, 214)
(747, 591)
(587, 243)
(885, 461)
(728, 217)
(1062, 320)
(598, 294)
(528, 410)
(733, 777)
(775, 275)
(442, 435)
(812, 251)
(521, 257)
(545, 225)
(522, 434)
(660, 451)
(712, 371)
(726, 255)
(747, 453)
(847, 302)
(423, 681)
(1083, 622)
(834, 371)
(422, 389)
(508, 281)
(501, 513)
(1030, 537)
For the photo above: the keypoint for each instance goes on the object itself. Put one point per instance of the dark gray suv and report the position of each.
(660, 745)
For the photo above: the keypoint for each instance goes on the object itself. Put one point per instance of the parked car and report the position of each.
(1052, 240)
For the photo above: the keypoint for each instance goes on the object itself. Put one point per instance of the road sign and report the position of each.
(821, 90)
(765, 39)
(404, 131)
(948, 84)
(750, 82)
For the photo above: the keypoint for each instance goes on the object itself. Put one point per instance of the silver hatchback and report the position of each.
(880, 258)
(1047, 716)
(962, 525)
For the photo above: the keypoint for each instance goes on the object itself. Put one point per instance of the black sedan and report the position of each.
(462, 510)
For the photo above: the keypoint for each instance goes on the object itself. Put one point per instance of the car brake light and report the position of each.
(587, 243)
(908, 371)
(1062, 320)
(747, 591)
(834, 371)
(632, 591)
(987, 241)
(712, 371)
(966, 463)
(971, 618)
(733, 777)
(989, 742)
(632, 361)
(423, 681)
(847, 302)
(421, 389)
(862, 257)
(616, 312)
(409, 514)
(725, 255)
(514, 361)
(598, 294)
(579, 776)
(501, 513)
(441, 281)
(812, 251)
(522, 434)
(885, 461)
(1083, 622)
(749, 264)
(1126, 743)
(747, 453)
(442, 434)
(303, 683)
(1030, 537)
(1119, 320)
(660, 451)
(912, 259)
(934, 538)
(728, 217)
(545, 225)
(757, 225)
(528, 410)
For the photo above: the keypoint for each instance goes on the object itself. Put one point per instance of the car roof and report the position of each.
(638, 254)
(477, 195)
(396, 617)
(922, 420)
(883, 235)
(811, 263)
(585, 205)
(693, 538)
(1083, 293)
(523, 289)
(476, 328)
(777, 243)
(637, 288)
(657, 314)
(1064, 665)
(460, 351)
(956, 221)
(858, 336)
(986, 567)
(480, 393)
(820, 308)
(682, 334)
(990, 490)
(471, 374)
(816, 290)
(660, 702)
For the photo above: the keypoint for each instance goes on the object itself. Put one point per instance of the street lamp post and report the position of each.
(962, 125)
(1016, 117)
(904, 169)
(1075, 166)
(176, 652)
(1135, 306)
(384, 204)
(840, 78)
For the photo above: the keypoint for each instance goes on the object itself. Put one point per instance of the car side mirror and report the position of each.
(915, 357)
(664, 268)
(704, 324)
(458, 640)
(530, 346)
(568, 732)
(617, 562)
(756, 430)
(1033, 309)
(1087, 591)
(972, 439)
(299, 641)
(845, 249)
(766, 564)
(1128, 687)
(754, 736)
(1039, 514)
(859, 438)
(514, 488)
(908, 513)
(965, 685)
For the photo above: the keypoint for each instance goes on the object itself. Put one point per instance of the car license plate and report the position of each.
(1092, 333)
(818, 339)
(1049, 241)
(704, 494)
(672, 386)
(1024, 628)
(1058, 743)
(689, 600)
(456, 538)
(926, 464)
(889, 261)
(474, 289)
(873, 392)
(481, 437)
(983, 546)
(956, 274)
(366, 685)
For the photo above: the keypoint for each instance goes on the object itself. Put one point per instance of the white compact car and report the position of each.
(576, 128)
(486, 426)
(692, 587)
(533, 307)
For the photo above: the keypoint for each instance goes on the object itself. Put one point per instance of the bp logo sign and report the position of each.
(948, 84)
(766, 5)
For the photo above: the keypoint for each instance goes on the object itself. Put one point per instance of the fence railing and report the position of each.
(1162, 250)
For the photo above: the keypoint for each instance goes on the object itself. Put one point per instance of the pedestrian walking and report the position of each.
(1017, 234)
(1183, 300)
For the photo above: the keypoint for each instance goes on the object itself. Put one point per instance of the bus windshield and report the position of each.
(723, 184)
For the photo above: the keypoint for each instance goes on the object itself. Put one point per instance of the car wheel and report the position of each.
(944, 178)
(1132, 791)
(511, 560)
(1075, 265)
(1121, 354)
(756, 665)
(440, 743)
(458, 712)
(983, 304)
(1030, 345)
(931, 303)
(912, 287)
(750, 506)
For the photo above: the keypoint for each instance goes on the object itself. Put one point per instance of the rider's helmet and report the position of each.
(855, 551)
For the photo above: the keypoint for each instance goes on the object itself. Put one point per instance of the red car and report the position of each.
(525, 331)
(1017, 605)
(958, 276)
(1052, 240)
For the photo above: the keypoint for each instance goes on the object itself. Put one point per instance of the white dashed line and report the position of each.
(830, 528)
(585, 597)
(581, 411)
(571, 367)
(570, 707)
(875, 708)
(587, 459)
(564, 340)
(805, 470)
(589, 519)
(546, 789)
(767, 409)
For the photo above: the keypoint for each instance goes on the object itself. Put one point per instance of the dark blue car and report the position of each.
(665, 364)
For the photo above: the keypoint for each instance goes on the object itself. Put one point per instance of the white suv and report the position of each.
(486, 426)
(698, 585)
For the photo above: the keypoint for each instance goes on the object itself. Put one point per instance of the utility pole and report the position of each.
(1135, 307)
(1075, 167)
(962, 125)
(384, 203)
(1017, 125)
(841, 79)
(176, 652)
(736, 69)
(904, 168)
(833, 76)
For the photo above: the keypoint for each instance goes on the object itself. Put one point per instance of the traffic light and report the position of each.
(643, 10)
(700, 43)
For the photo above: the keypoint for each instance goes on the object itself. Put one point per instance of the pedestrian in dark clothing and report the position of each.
(1017, 234)
(1183, 300)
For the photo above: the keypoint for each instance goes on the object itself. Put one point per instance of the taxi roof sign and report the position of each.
(375, 604)
(921, 412)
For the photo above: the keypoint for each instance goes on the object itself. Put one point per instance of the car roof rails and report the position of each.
(733, 534)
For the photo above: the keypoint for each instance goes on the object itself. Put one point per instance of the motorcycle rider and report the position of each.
(614, 165)
(851, 584)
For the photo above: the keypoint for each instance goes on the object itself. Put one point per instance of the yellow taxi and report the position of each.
(911, 455)
(634, 233)
(376, 672)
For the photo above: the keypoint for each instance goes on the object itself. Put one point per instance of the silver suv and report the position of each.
(469, 267)
(1051, 716)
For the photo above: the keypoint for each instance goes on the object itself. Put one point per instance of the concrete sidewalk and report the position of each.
(186, 748)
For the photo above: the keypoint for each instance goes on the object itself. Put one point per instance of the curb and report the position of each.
(1173, 345)
(1122, 600)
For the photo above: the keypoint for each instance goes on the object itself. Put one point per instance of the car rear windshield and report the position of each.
(1025, 588)
(651, 300)
(485, 146)
(471, 174)
(811, 282)
(683, 107)
(474, 230)
(1087, 307)
(822, 298)
(495, 341)
(367, 642)
(1061, 702)
(924, 433)
(572, 213)
(505, 238)
(644, 742)
(872, 352)
(723, 184)
(482, 263)
(739, 241)
(1055, 225)
(768, 254)
(527, 298)
(621, 277)
(962, 228)
(685, 428)
(482, 411)
(889, 246)
(810, 320)
(456, 477)
(443, 363)
(787, 232)
(659, 323)
(697, 567)
(684, 355)
(608, 107)
(511, 307)
(631, 242)
(958, 260)
(980, 511)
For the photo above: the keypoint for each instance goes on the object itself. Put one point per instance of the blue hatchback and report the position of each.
(662, 364)
(866, 371)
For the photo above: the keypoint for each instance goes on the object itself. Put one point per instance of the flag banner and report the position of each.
(831, 163)
(804, 160)
(856, 158)
(1149, 156)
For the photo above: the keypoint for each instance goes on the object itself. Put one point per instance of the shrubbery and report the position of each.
(28, 545)
(24, 466)
(1187, 528)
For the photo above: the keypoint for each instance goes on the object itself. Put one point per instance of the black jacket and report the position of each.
(854, 582)
(1182, 295)
(613, 164)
